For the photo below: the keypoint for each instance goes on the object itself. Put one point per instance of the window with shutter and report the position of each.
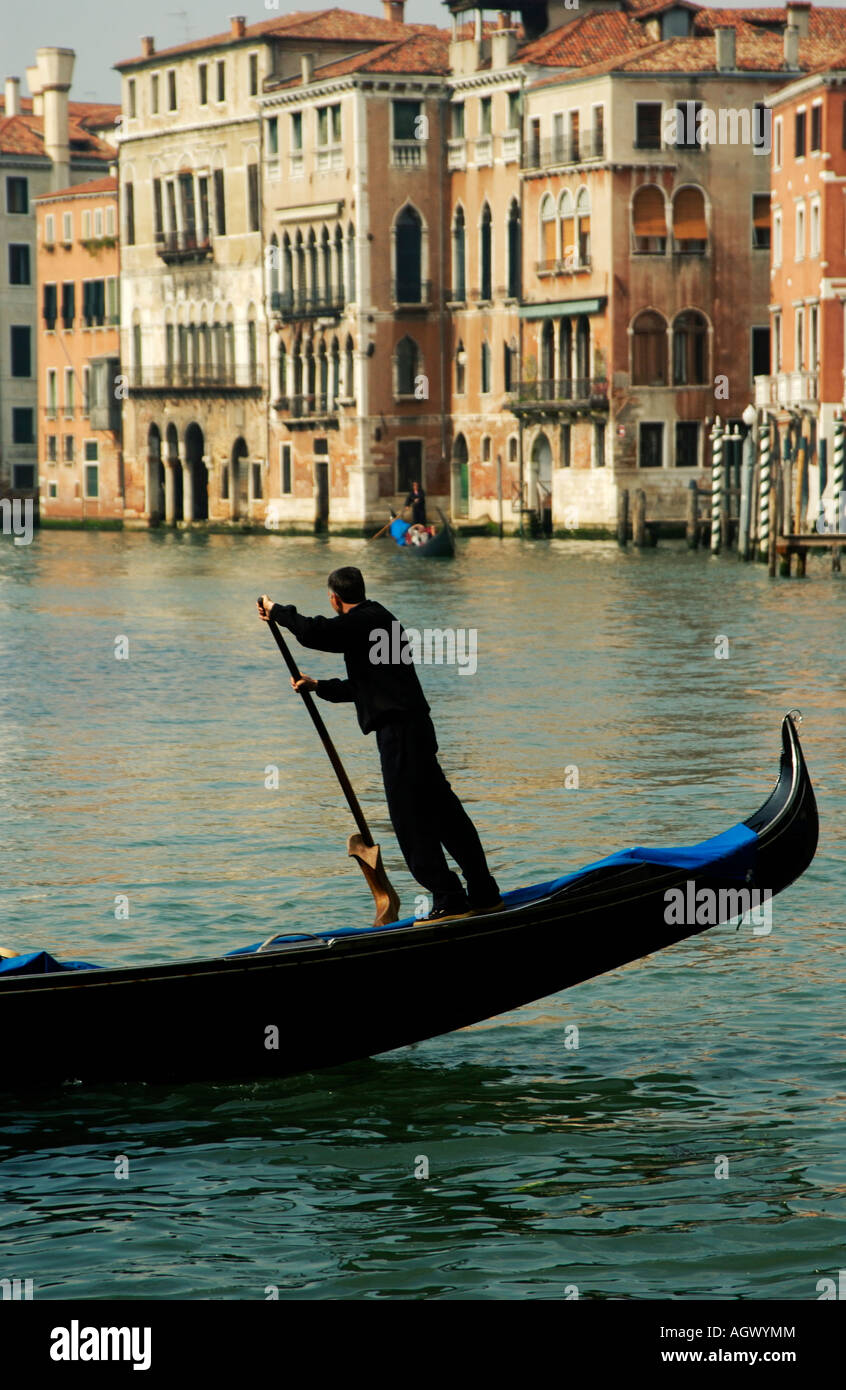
(649, 221)
(690, 231)
(649, 350)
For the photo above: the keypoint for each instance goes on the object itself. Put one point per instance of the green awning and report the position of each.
(563, 306)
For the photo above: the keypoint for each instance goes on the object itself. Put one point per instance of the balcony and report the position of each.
(457, 153)
(509, 145)
(546, 154)
(175, 380)
(313, 410)
(483, 151)
(411, 294)
(408, 154)
(556, 395)
(290, 305)
(105, 416)
(566, 265)
(329, 157)
(176, 248)
(787, 389)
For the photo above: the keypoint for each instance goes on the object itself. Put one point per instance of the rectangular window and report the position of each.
(513, 110)
(49, 302)
(566, 450)
(776, 238)
(154, 94)
(52, 393)
(68, 303)
(760, 352)
(777, 357)
(329, 125)
(273, 135)
(285, 473)
(110, 221)
(598, 147)
(203, 80)
(799, 124)
(23, 475)
(205, 227)
(98, 222)
(761, 221)
(688, 125)
(92, 451)
(51, 448)
(457, 121)
(92, 478)
(18, 264)
(778, 142)
(485, 115)
(648, 125)
(158, 224)
(93, 303)
(22, 424)
(221, 80)
(253, 197)
(253, 74)
(68, 450)
(816, 128)
(599, 444)
(799, 254)
(17, 195)
(257, 481)
(296, 131)
(171, 89)
(86, 224)
(112, 300)
(687, 444)
(67, 228)
(219, 203)
(405, 116)
(813, 337)
(651, 444)
(69, 392)
(815, 226)
(86, 390)
(49, 229)
(799, 341)
(575, 135)
(409, 463)
(129, 195)
(131, 98)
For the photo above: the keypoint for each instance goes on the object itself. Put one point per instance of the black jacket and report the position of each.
(383, 691)
(417, 502)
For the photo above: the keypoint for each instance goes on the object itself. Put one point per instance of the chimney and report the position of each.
(237, 26)
(55, 69)
(148, 46)
(726, 37)
(306, 68)
(504, 19)
(13, 97)
(392, 11)
(799, 17)
(33, 81)
(791, 48)
(503, 47)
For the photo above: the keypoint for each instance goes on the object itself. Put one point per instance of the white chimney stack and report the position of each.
(306, 68)
(726, 37)
(55, 68)
(13, 97)
(799, 16)
(33, 81)
(791, 48)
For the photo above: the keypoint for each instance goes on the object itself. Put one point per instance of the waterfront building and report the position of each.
(78, 353)
(47, 142)
(805, 389)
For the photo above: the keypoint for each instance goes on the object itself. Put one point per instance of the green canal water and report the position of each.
(550, 1166)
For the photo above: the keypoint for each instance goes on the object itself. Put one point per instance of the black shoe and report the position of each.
(446, 914)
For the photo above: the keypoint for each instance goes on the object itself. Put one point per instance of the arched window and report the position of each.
(566, 357)
(583, 226)
(349, 375)
(252, 344)
(310, 375)
(514, 250)
(351, 286)
(339, 264)
(313, 283)
(326, 257)
(287, 287)
(486, 448)
(690, 349)
(547, 357)
(407, 361)
(283, 369)
(460, 369)
(649, 220)
(409, 257)
(335, 375)
(323, 377)
(298, 375)
(582, 355)
(568, 229)
(548, 248)
(486, 369)
(690, 230)
(485, 254)
(510, 364)
(274, 268)
(459, 257)
(512, 448)
(299, 256)
(649, 350)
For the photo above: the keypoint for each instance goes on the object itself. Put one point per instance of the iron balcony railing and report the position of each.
(312, 403)
(566, 389)
(296, 305)
(544, 154)
(183, 246)
(243, 377)
(411, 291)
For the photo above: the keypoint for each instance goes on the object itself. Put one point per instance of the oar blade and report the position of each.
(370, 861)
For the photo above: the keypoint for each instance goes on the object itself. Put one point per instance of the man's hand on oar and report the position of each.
(304, 683)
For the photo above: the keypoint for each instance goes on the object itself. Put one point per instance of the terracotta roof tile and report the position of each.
(588, 39)
(422, 53)
(24, 135)
(88, 189)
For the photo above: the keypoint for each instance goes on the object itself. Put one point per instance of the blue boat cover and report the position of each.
(398, 529)
(733, 851)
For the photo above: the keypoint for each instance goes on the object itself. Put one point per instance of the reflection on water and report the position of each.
(548, 1165)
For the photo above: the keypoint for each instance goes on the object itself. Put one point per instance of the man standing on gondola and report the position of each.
(426, 814)
(416, 500)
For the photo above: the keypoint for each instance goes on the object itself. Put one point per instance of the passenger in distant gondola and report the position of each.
(416, 500)
(427, 816)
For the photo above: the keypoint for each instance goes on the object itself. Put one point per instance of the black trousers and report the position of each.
(428, 817)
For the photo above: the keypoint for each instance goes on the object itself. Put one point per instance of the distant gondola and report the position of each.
(441, 543)
(314, 998)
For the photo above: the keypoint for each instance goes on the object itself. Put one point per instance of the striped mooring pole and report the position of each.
(764, 489)
(839, 432)
(717, 499)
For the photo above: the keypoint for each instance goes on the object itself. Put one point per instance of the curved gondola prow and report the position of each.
(787, 825)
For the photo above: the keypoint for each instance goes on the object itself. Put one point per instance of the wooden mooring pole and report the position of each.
(639, 518)
(692, 527)
(622, 515)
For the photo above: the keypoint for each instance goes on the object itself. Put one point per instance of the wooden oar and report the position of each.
(361, 846)
(388, 527)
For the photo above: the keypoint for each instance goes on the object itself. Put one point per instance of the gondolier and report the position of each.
(427, 816)
(416, 500)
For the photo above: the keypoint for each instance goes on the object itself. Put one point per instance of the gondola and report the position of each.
(312, 998)
(441, 543)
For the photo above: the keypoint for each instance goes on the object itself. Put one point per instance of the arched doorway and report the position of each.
(460, 477)
(173, 476)
(194, 449)
(239, 481)
(540, 482)
(155, 475)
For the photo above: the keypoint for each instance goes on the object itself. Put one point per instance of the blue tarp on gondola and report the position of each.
(398, 529)
(40, 963)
